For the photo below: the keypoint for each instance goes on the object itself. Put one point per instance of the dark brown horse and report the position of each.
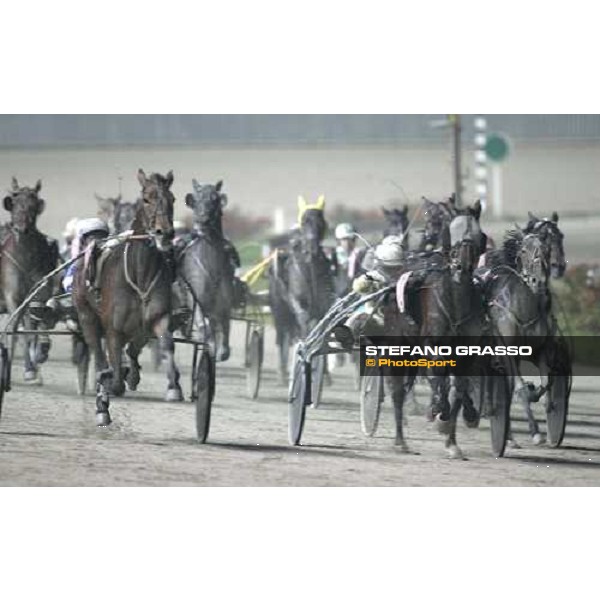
(26, 255)
(442, 303)
(135, 298)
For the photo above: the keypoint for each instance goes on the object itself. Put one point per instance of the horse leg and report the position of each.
(399, 388)
(452, 447)
(526, 394)
(224, 349)
(31, 375)
(133, 372)
(92, 335)
(114, 344)
(462, 390)
(167, 345)
(439, 409)
(283, 345)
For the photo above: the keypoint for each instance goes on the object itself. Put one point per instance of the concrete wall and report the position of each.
(541, 178)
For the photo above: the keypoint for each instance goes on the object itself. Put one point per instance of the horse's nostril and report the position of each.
(159, 232)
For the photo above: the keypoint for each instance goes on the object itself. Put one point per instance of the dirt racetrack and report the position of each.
(48, 437)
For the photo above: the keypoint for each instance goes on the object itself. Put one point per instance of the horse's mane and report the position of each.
(507, 254)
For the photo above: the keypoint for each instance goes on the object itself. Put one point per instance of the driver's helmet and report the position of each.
(345, 231)
(390, 252)
(70, 229)
(93, 225)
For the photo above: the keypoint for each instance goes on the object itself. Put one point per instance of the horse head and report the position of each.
(106, 207)
(438, 215)
(124, 216)
(532, 262)
(553, 239)
(154, 214)
(463, 239)
(396, 221)
(24, 205)
(313, 226)
(207, 202)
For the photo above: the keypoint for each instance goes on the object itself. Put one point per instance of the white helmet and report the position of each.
(71, 228)
(390, 253)
(86, 226)
(345, 231)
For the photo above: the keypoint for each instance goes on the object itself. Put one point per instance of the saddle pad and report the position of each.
(401, 291)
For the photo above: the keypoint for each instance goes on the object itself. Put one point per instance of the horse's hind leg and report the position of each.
(167, 345)
(452, 447)
(399, 386)
(31, 374)
(222, 331)
(133, 370)
(283, 345)
(114, 344)
(527, 394)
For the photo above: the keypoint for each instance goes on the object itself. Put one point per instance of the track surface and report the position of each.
(48, 437)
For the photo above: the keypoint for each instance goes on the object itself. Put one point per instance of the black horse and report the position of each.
(438, 215)
(301, 281)
(207, 262)
(117, 214)
(396, 222)
(26, 256)
(520, 305)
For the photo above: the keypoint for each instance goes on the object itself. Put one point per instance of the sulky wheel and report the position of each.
(371, 398)
(203, 391)
(497, 406)
(298, 396)
(253, 363)
(318, 376)
(557, 397)
(557, 407)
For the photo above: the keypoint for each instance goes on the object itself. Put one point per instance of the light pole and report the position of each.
(454, 121)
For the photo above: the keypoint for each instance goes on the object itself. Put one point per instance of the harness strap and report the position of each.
(143, 295)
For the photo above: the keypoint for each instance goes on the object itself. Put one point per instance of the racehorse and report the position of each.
(396, 223)
(301, 281)
(117, 214)
(207, 263)
(135, 281)
(437, 216)
(443, 302)
(520, 305)
(26, 256)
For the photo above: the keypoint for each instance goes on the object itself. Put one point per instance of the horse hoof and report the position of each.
(118, 390)
(454, 453)
(429, 415)
(472, 424)
(538, 439)
(174, 395)
(443, 427)
(103, 419)
(32, 378)
(513, 445)
(401, 447)
(132, 382)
